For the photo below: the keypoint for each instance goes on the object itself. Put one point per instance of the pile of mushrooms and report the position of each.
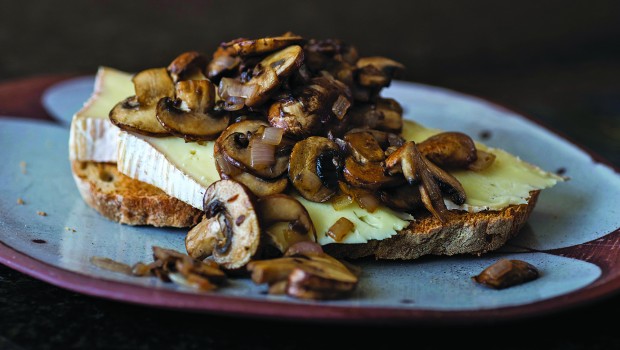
(289, 111)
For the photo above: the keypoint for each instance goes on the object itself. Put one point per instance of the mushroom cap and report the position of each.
(238, 237)
(306, 163)
(247, 47)
(197, 123)
(129, 115)
(235, 144)
(189, 64)
(281, 208)
(449, 149)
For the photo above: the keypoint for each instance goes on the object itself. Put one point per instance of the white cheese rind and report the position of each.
(92, 136)
(138, 159)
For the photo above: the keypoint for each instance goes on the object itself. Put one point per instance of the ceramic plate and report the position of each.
(572, 236)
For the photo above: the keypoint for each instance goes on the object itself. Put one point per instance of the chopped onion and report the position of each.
(262, 154)
(340, 229)
(340, 107)
(231, 87)
(367, 201)
(272, 136)
(303, 247)
(483, 161)
(341, 201)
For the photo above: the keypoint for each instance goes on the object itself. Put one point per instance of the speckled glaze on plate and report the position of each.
(572, 236)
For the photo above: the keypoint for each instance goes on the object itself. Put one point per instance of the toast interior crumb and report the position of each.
(22, 166)
(20, 201)
(41, 213)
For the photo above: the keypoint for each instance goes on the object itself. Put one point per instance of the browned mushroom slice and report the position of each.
(129, 115)
(282, 209)
(449, 149)
(507, 273)
(268, 74)
(242, 146)
(314, 167)
(246, 47)
(447, 183)
(364, 198)
(231, 206)
(220, 64)
(262, 187)
(190, 115)
(323, 53)
(377, 71)
(405, 198)
(369, 176)
(415, 168)
(403, 160)
(364, 147)
(188, 66)
(291, 116)
(304, 113)
(391, 112)
(307, 275)
(202, 238)
(138, 113)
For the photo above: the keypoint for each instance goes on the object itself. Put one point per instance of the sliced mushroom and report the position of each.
(320, 54)
(304, 113)
(236, 144)
(273, 69)
(231, 206)
(307, 275)
(406, 198)
(221, 63)
(377, 71)
(364, 147)
(262, 187)
(151, 85)
(284, 209)
(202, 238)
(190, 115)
(448, 183)
(314, 167)
(507, 273)
(138, 113)
(384, 114)
(369, 176)
(364, 198)
(188, 66)
(449, 149)
(246, 47)
(416, 169)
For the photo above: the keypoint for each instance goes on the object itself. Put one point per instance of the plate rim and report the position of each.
(248, 307)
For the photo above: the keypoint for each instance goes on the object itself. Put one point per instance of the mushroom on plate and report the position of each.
(235, 224)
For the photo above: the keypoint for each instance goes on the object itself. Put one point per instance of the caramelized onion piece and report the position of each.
(340, 229)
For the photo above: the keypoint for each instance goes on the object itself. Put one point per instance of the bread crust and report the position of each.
(464, 233)
(128, 201)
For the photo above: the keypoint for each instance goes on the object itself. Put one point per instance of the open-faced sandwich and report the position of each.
(276, 142)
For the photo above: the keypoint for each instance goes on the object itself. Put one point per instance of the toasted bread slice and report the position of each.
(464, 233)
(128, 201)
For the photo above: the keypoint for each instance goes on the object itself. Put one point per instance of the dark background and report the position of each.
(558, 61)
